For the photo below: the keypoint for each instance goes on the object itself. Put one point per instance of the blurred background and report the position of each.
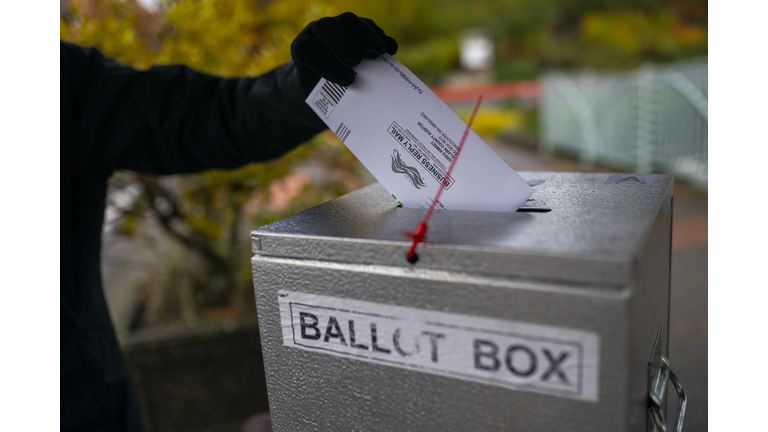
(591, 85)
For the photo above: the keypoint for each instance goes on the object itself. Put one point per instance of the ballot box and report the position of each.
(551, 318)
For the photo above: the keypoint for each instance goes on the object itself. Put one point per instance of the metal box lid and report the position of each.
(593, 235)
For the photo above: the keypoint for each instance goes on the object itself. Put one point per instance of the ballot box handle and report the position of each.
(660, 373)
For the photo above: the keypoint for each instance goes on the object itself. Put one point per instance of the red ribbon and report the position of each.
(420, 231)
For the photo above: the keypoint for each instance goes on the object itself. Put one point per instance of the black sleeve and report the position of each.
(171, 119)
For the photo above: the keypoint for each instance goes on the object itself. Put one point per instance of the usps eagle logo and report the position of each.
(411, 173)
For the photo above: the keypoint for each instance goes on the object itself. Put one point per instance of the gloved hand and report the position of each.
(330, 47)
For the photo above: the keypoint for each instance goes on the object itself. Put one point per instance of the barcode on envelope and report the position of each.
(343, 132)
(334, 91)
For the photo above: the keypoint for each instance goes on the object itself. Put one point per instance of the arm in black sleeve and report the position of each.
(172, 119)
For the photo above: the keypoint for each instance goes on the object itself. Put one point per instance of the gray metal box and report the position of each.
(526, 321)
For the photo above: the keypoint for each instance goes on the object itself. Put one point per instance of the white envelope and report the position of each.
(407, 137)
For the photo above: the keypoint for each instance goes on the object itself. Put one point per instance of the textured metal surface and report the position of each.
(573, 242)
(599, 261)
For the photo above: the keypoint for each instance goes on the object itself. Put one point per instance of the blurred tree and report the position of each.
(210, 213)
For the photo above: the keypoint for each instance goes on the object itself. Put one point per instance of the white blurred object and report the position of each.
(654, 119)
(476, 49)
(150, 5)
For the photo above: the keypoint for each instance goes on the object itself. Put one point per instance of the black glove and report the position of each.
(330, 47)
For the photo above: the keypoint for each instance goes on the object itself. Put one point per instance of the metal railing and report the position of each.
(653, 119)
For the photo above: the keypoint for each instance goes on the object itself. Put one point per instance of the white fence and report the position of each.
(653, 119)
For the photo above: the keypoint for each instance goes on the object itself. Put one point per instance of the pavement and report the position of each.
(688, 309)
